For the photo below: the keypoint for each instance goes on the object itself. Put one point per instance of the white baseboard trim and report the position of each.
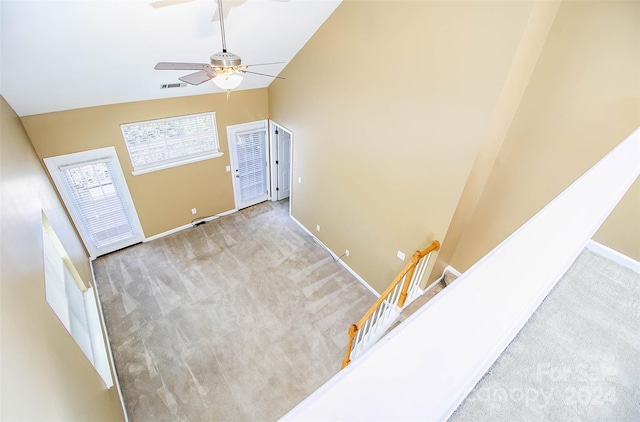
(430, 286)
(186, 226)
(440, 279)
(451, 270)
(448, 268)
(614, 255)
(336, 257)
(360, 279)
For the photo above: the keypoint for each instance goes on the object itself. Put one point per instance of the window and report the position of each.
(163, 143)
(73, 301)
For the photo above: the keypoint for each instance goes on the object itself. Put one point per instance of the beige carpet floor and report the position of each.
(236, 320)
(576, 359)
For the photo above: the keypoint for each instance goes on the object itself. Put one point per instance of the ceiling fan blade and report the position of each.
(262, 74)
(198, 77)
(164, 3)
(226, 9)
(264, 64)
(181, 66)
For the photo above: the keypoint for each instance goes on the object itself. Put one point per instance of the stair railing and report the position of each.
(386, 309)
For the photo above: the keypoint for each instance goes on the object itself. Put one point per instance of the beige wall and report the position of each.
(389, 103)
(582, 100)
(621, 231)
(533, 39)
(163, 199)
(45, 375)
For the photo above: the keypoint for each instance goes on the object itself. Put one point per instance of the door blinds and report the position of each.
(99, 202)
(252, 164)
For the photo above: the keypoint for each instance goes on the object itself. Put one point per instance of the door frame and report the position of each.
(273, 156)
(53, 165)
(232, 130)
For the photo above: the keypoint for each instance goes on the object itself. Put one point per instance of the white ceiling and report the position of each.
(66, 54)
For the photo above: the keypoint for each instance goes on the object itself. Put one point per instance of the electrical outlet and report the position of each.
(317, 227)
(299, 179)
(228, 169)
(346, 252)
(194, 211)
(401, 255)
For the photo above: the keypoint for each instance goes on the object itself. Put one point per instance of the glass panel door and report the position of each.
(94, 190)
(249, 151)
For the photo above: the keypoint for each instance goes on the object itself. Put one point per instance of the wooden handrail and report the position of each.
(405, 288)
(411, 265)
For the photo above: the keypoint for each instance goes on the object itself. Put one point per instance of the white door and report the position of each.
(248, 149)
(281, 162)
(94, 190)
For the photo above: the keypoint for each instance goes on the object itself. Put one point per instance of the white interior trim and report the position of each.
(428, 288)
(103, 325)
(336, 257)
(186, 226)
(273, 126)
(614, 255)
(357, 276)
(273, 147)
(440, 279)
(452, 270)
(470, 323)
(177, 163)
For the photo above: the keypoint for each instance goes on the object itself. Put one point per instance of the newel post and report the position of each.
(352, 335)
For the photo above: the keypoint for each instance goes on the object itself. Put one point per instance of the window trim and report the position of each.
(175, 163)
(179, 161)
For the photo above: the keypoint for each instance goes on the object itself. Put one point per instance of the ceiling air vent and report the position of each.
(174, 85)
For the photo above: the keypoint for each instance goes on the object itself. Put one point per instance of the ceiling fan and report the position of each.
(225, 70)
(226, 10)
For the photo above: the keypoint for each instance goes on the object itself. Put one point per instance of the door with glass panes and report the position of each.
(93, 189)
(250, 169)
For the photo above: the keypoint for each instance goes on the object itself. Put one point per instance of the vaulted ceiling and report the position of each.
(59, 54)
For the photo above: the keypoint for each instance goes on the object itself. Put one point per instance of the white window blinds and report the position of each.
(99, 202)
(250, 148)
(163, 143)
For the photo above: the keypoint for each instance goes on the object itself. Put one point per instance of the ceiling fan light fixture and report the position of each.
(227, 81)
(225, 68)
(225, 59)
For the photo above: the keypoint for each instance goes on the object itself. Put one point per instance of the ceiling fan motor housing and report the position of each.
(225, 59)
